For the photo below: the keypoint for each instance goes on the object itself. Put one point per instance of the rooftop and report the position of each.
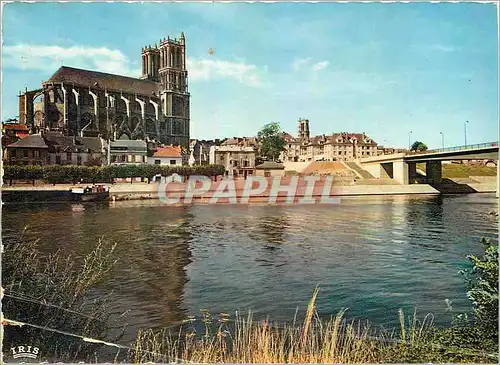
(15, 126)
(104, 81)
(168, 151)
(270, 165)
(128, 143)
(32, 141)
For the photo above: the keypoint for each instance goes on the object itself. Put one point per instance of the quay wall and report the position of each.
(141, 191)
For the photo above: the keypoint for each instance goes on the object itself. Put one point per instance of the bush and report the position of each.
(70, 174)
(482, 281)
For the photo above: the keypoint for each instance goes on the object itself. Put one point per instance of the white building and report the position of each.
(168, 155)
(238, 160)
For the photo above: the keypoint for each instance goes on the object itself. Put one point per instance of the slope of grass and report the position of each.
(463, 171)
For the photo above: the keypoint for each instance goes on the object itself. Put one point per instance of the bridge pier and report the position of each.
(401, 172)
(434, 172)
(412, 172)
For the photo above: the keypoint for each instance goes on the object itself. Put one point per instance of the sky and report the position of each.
(383, 69)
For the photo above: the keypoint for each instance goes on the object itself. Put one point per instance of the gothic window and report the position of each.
(87, 99)
(150, 109)
(121, 105)
(177, 107)
(102, 100)
(70, 97)
(136, 108)
(177, 127)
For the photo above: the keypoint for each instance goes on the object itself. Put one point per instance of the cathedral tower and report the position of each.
(150, 63)
(172, 75)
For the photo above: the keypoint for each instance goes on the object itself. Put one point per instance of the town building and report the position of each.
(242, 141)
(167, 155)
(153, 107)
(54, 148)
(31, 150)
(336, 147)
(125, 151)
(239, 161)
(270, 169)
(199, 151)
(12, 132)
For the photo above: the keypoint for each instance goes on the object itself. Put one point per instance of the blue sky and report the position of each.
(382, 69)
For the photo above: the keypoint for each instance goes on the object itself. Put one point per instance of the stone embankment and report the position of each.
(139, 191)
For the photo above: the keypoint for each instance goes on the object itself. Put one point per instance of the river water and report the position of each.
(372, 255)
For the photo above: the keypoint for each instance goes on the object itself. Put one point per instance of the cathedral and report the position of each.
(154, 107)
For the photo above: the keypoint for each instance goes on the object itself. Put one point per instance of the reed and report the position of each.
(51, 290)
(315, 340)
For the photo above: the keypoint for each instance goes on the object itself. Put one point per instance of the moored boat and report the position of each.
(90, 194)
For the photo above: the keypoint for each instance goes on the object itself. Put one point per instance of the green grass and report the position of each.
(463, 171)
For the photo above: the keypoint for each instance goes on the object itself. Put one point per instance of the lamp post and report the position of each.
(465, 131)
(409, 140)
(442, 140)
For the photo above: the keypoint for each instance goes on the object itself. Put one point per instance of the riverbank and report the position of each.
(142, 191)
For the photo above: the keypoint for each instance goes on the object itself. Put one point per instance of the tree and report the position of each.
(418, 146)
(271, 142)
(482, 281)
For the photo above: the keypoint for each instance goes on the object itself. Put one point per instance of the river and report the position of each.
(372, 255)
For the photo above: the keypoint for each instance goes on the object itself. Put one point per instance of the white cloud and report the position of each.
(320, 65)
(442, 48)
(298, 63)
(208, 69)
(50, 58)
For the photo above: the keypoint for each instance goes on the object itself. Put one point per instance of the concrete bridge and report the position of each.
(402, 167)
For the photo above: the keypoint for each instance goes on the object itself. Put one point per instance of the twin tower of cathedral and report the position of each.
(166, 63)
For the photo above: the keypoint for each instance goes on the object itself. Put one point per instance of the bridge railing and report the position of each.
(457, 148)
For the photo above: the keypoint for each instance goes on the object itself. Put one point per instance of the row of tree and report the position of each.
(70, 174)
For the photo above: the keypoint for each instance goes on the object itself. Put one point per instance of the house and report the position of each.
(70, 150)
(12, 132)
(238, 160)
(53, 148)
(126, 151)
(167, 155)
(32, 150)
(199, 151)
(270, 169)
